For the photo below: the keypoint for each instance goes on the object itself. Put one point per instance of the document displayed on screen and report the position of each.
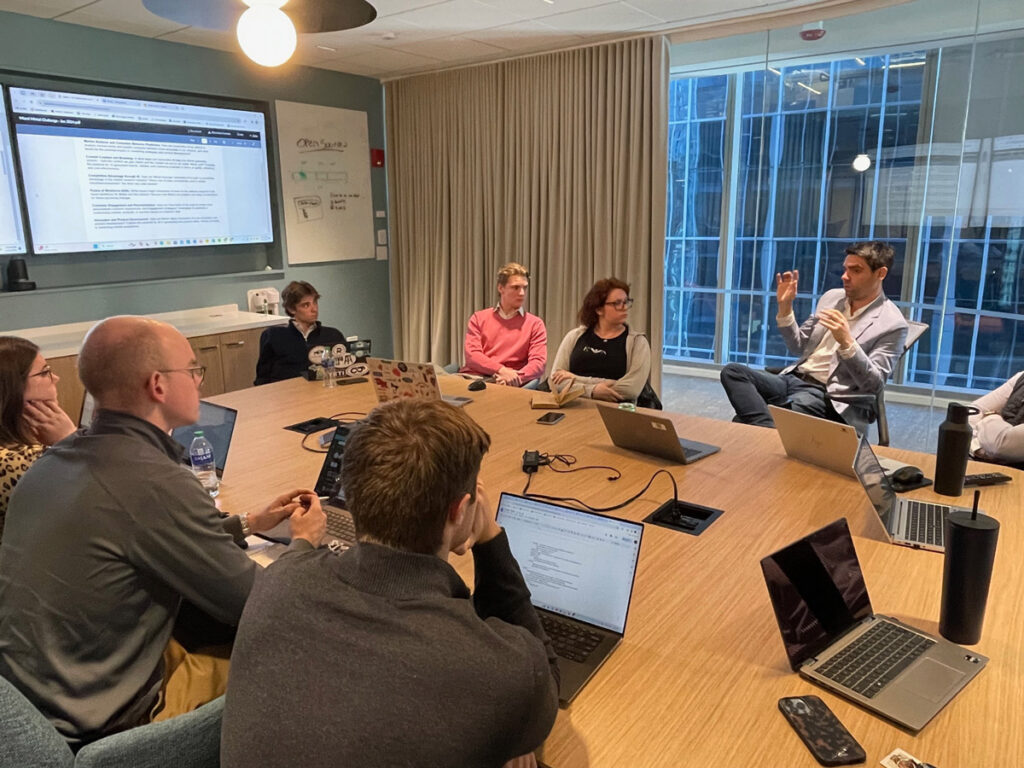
(12, 235)
(108, 173)
(575, 563)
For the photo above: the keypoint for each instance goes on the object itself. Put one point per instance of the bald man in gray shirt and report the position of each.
(108, 531)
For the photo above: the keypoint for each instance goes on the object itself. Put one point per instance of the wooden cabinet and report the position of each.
(207, 350)
(230, 360)
(239, 352)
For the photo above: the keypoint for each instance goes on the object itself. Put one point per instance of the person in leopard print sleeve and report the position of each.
(30, 418)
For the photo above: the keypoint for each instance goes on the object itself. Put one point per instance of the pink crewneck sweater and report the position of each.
(519, 343)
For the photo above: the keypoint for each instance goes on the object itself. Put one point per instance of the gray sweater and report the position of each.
(380, 658)
(104, 536)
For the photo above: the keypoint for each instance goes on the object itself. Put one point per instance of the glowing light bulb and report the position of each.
(861, 163)
(266, 34)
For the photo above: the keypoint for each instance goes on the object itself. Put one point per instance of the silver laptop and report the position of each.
(395, 379)
(833, 638)
(821, 442)
(218, 425)
(653, 435)
(580, 568)
(909, 523)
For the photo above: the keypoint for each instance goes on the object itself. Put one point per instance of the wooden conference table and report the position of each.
(696, 680)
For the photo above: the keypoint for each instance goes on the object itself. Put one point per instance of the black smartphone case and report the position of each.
(822, 733)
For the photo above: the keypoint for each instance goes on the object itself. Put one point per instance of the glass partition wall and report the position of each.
(905, 125)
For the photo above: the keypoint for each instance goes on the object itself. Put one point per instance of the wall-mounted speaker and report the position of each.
(17, 276)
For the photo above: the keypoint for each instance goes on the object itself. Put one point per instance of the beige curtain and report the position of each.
(555, 161)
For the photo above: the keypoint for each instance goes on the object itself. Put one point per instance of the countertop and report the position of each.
(64, 340)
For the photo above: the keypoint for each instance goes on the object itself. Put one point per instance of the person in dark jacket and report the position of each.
(284, 349)
(380, 656)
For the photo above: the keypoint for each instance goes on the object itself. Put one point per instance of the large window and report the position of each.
(762, 179)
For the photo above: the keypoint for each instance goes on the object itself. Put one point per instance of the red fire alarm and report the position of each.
(812, 32)
(376, 158)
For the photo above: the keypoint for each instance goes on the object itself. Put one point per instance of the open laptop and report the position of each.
(340, 526)
(218, 425)
(909, 523)
(833, 638)
(653, 435)
(580, 568)
(395, 379)
(821, 442)
(341, 529)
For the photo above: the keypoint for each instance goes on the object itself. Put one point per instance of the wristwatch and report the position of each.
(243, 520)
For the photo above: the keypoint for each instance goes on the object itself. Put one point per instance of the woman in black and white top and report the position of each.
(612, 362)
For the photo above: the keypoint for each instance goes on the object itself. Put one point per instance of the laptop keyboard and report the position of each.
(875, 658)
(924, 522)
(570, 640)
(340, 526)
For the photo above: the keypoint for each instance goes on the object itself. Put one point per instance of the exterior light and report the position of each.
(861, 163)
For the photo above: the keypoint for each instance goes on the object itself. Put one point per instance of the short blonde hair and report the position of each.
(512, 269)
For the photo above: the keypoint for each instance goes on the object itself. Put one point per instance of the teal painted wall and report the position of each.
(355, 293)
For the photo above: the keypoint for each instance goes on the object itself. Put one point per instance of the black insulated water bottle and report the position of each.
(953, 450)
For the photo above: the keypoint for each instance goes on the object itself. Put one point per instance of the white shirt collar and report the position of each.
(508, 316)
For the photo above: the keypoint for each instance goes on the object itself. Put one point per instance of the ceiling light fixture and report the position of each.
(905, 64)
(861, 163)
(807, 87)
(773, 69)
(860, 61)
(266, 34)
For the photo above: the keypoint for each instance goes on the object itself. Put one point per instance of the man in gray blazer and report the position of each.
(846, 349)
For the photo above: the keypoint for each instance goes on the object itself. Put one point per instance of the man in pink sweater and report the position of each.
(505, 341)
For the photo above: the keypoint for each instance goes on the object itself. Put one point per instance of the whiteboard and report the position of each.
(325, 181)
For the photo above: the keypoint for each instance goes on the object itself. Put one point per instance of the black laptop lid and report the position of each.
(817, 590)
(218, 425)
(328, 484)
(875, 481)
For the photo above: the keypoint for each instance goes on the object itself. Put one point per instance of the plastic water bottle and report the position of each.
(203, 465)
(328, 364)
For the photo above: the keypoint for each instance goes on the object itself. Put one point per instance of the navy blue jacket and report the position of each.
(284, 354)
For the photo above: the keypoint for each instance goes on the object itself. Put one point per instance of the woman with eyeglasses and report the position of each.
(612, 362)
(30, 419)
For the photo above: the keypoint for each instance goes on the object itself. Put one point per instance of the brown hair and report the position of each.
(877, 254)
(405, 466)
(511, 270)
(596, 298)
(16, 358)
(295, 292)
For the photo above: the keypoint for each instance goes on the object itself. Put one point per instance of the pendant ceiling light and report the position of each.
(266, 33)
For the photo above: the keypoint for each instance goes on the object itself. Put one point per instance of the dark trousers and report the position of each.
(751, 392)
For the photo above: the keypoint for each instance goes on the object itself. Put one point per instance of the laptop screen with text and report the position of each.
(577, 564)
